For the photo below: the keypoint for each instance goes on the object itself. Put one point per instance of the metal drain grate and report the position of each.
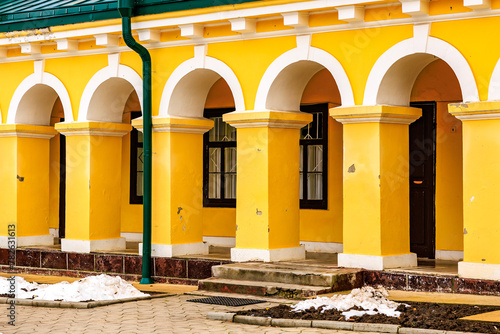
(226, 301)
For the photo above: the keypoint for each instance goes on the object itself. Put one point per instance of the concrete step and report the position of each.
(292, 273)
(263, 289)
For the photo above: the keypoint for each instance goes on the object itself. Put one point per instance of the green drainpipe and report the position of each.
(125, 7)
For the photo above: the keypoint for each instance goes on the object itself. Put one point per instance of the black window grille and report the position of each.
(219, 162)
(314, 158)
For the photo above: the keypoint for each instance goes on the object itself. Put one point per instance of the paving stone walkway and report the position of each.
(163, 315)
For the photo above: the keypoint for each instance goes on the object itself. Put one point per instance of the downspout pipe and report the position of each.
(126, 7)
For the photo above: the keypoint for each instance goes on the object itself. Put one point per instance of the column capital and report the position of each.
(27, 131)
(268, 119)
(376, 114)
(93, 129)
(475, 111)
(177, 124)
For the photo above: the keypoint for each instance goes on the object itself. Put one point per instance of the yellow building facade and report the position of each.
(368, 129)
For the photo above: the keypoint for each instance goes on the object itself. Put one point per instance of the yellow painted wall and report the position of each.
(16, 72)
(77, 185)
(33, 192)
(361, 150)
(437, 82)
(162, 69)
(266, 219)
(481, 191)
(177, 189)
(8, 180)
(237, 55)
(481, 54)
(358, 50)
(105, 187)
(75, 73)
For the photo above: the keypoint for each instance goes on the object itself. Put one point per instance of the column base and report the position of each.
(87, 246)
(160, 250)
(268, 255)
(449, 255)
(479, 270)
(35, 240)
(322, 247)
(377, 262)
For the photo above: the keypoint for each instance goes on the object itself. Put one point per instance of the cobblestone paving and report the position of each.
(163, 315)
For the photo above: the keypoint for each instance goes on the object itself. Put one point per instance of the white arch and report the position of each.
(34, 99)
(494, 87)
(282, 90)
(187, 88)
(106, 93)
(394, 73)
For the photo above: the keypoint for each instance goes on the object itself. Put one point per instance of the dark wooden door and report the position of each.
(422, 181)
(62, 187)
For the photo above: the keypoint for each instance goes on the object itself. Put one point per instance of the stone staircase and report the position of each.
(281, 280)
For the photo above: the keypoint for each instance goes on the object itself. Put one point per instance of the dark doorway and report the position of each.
(422, 181)
(62, 186)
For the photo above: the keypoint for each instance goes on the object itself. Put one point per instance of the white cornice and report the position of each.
(93, 132)
(271, 34)
(479, 116)
(21, 134)
(379, 119)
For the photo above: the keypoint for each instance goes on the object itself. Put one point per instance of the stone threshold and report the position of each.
(323, 324)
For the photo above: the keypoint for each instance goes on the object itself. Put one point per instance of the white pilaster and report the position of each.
(87, 246)
(377, 262)
(35, 240)
(479, 270)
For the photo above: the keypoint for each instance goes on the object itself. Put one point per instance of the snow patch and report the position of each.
(92, 288)
(366, 300)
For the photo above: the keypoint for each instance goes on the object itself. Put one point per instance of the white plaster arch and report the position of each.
(284, 81)
(494, 87)
(186, 90)
(107, 92)
(34, 99)
(392, 77)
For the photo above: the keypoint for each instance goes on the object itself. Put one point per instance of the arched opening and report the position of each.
(435, 165)
(219, 168)
(108, 101)
(36, 105)
(132, 174)
(308, 86)
(57, 179)
(190, 94)
(40, 104)
(116, 99)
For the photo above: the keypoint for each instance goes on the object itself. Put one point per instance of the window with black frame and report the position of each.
(314, 158)
(219, 162)
(136, 163)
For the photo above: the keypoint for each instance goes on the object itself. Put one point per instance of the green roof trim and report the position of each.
(17, 15)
